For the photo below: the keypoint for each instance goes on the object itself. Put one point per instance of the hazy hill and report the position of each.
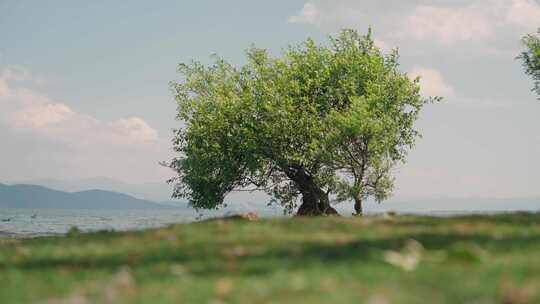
(146, 191)
(73, 194)
(32, 196)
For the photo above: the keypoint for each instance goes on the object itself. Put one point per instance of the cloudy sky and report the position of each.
(84, 84)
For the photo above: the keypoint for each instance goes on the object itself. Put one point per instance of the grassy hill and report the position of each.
(475, 259)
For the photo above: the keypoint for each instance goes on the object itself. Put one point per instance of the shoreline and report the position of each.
(457, 214)
(406, 259)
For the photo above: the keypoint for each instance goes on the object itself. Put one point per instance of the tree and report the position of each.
(320, 122)
(531, 59)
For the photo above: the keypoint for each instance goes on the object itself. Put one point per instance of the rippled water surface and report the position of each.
(40, 222)
(37, 222)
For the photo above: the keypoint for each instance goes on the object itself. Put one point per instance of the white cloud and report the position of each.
(32, 110)
(89, 144)
(476, 22)
(15, 73)
(6, 75)
(524, 13)
(136, 129)
(42, 115)
(432, 82)
(309, 14)
(4, 89)
(445, 23)
(449, 25)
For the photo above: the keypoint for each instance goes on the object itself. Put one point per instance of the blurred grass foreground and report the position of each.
(375, 260)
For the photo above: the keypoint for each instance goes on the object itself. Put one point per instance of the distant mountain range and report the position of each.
(79, 194)
(33, 196)
(157, 192)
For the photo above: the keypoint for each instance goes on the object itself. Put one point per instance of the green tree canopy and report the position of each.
(319, 122)
(531, 59)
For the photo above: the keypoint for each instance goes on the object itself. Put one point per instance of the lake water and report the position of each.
(40, 222)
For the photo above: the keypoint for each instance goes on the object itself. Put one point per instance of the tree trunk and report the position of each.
(358, 206)
(314, 204)
(315, 201)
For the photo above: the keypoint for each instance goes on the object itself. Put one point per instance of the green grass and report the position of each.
(475, 259)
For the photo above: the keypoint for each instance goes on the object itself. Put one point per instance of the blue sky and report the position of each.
(108, 58)
(84, 84)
